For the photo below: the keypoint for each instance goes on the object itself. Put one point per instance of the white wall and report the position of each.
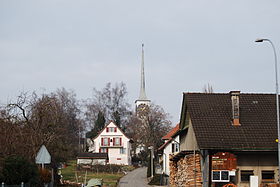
(115, 157)
(166, 153)
(91, 161)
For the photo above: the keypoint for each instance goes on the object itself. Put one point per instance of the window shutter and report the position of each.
(115, 129)
(107, 150)
(114, 140)
(108, 141)
(107, 129)
(102, 141)
(99, 150)
(120, 141)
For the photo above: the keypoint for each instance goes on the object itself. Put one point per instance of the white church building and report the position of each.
(113, 141)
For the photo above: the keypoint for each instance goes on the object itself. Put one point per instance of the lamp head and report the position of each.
(259, 40)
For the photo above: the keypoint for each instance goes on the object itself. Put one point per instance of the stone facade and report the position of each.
(186, 172)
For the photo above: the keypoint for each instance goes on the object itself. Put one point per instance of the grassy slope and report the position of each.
(69, 173)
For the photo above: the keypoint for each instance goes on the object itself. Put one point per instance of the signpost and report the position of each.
(43, 156)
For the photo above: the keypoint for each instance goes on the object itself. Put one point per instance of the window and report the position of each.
(111, 129)
(268, 176)
(175, 147)
(103, 150)
(220, 176)
(117, 141)
(224, 175)
(106, 141)
(216, 175)
(245, 175)
(122, 150)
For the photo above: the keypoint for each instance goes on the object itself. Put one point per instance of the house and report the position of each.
(113, 141)
(226, 138)
(92, 158)
(170, 147)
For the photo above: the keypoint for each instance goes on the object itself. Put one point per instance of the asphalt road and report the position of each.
(135, 178)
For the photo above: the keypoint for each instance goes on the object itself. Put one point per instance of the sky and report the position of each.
(84, 44)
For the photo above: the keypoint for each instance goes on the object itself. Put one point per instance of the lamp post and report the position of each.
(152, 160)
(277, 98)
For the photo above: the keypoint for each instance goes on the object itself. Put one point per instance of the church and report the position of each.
(142, 103)
(112, 141)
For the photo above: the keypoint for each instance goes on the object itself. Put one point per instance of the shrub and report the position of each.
(16, 169)
(45, 175)
(128, 168)
(1, 176)
(109, 168)
(156, 180)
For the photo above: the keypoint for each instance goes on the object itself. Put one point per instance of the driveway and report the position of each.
(135, 178)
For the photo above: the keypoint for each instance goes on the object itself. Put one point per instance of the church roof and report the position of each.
(142, 95)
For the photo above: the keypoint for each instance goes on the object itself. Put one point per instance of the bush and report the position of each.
(109, 168)
(45, 175)
(156, 180)
(16, 169)
(1, 176)
(128, 168)
(1, 169)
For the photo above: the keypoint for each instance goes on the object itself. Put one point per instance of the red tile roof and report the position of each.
(164, 145)
(173, 131)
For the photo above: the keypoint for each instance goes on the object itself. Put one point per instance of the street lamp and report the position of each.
(152, 160)
(277, 98)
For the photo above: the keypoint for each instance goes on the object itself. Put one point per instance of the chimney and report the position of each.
(235, 95)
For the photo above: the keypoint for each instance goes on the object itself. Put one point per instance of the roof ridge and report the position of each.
(220, 93)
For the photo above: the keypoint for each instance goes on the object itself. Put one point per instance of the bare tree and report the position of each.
(208, 88)
(50, 119)
(148, 131)
(111, 102)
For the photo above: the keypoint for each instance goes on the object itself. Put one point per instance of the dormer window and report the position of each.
(111, 129)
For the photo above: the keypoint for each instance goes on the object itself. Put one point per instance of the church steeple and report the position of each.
(142, 96)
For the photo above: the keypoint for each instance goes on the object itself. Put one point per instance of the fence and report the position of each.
(18, 185)
(24, 185)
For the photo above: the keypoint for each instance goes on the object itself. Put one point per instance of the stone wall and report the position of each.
(186, 172)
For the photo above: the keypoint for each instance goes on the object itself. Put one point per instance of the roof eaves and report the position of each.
(164, 145)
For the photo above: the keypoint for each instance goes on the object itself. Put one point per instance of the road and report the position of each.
(135, 178)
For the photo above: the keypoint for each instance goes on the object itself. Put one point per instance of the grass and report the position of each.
(70, 173)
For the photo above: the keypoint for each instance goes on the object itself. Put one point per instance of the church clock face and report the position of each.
(142, 110)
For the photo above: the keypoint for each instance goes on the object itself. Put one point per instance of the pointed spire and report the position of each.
(142, 95)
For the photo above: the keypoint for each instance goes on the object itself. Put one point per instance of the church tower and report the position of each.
(142, 103)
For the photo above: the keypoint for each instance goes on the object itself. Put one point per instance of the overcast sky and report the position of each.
(81, 44)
